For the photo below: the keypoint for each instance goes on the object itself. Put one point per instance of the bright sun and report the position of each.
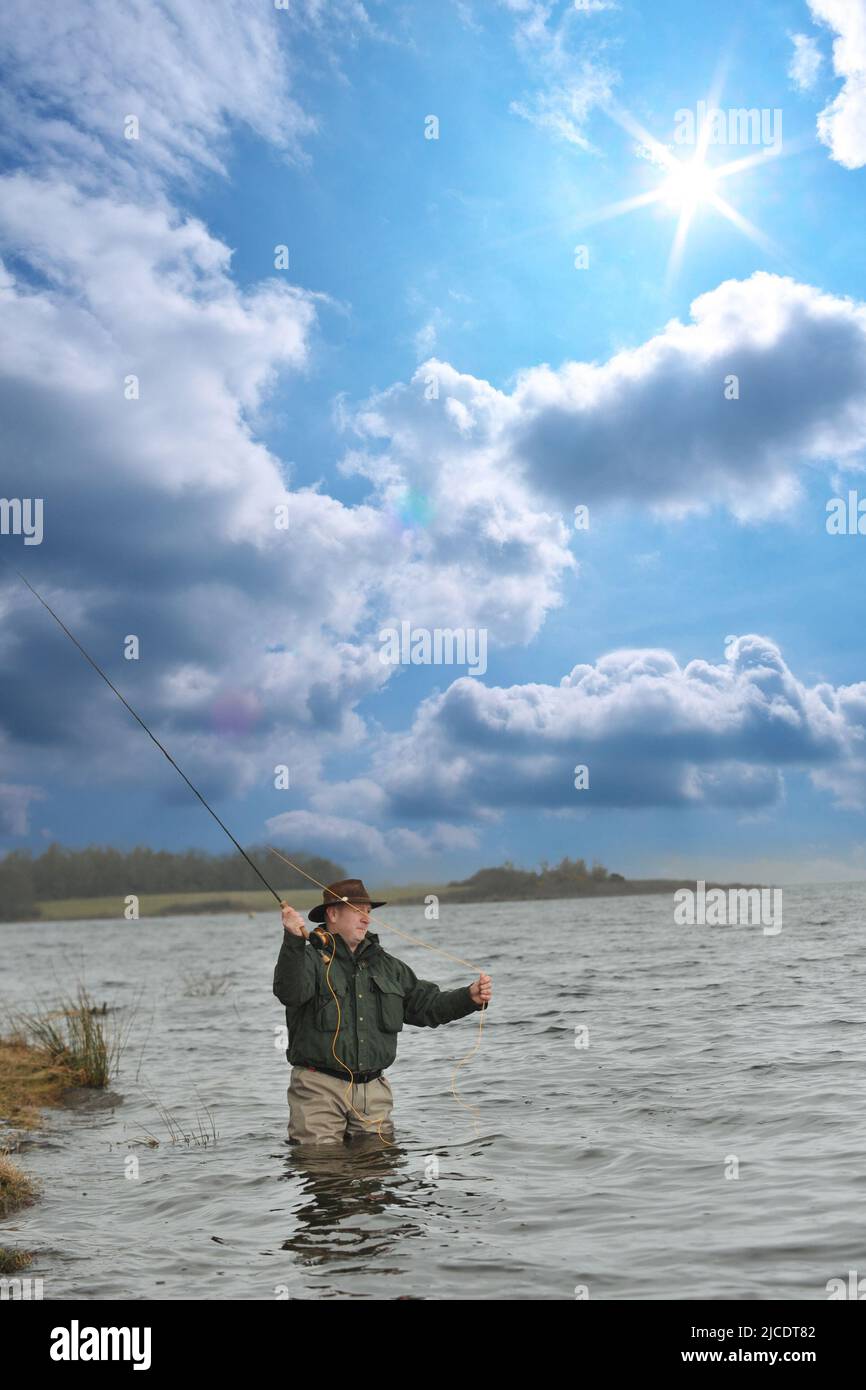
(687, 184)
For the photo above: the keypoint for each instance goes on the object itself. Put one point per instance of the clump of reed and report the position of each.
(74, 1039)
(16, 1189)
(11, 1261)
(200, 1133)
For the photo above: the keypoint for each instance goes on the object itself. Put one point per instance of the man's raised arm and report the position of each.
(295, 975)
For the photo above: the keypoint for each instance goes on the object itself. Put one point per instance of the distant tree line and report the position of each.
(98, 872)
(506, 883)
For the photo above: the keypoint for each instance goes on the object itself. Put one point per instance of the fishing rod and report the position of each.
(152, 736)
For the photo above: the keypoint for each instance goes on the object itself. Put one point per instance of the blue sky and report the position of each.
(697, 648)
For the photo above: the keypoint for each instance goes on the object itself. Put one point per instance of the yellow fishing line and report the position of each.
(437, 949)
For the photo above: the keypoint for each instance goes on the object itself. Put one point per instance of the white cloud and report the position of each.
(359, 794)
(466, 16)
(15, 801)
(564, 107)
(425, 338)
(149, 292)
(189, 72)
(650, 731)
(342, 836)
(186, 72)
(564, 57)
(842, 124)
(171, 498)
(335, 836)
(486, 555)
(652, 425)
(805, 62)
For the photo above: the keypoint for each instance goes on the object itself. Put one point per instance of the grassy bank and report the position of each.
(180, 904)
(170, 905)
(42, 1057)
(29, 1079)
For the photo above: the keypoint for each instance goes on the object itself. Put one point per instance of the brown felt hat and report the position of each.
(347, 890)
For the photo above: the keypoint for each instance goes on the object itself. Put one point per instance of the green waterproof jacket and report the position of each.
(377, 995)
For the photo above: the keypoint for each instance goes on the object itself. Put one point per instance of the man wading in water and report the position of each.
(377, 995)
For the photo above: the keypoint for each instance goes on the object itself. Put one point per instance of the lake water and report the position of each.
(609, 1166)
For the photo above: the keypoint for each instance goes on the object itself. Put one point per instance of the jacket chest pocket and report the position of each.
(325, 1014)
(389, 1003)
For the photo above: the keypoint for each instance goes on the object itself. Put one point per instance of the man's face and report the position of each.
(350, 923)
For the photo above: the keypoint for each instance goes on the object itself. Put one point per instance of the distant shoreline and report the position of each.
(153, 906)
(604, 888)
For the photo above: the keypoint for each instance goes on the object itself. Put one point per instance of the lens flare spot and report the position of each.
(235, 713)
(411, 511)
